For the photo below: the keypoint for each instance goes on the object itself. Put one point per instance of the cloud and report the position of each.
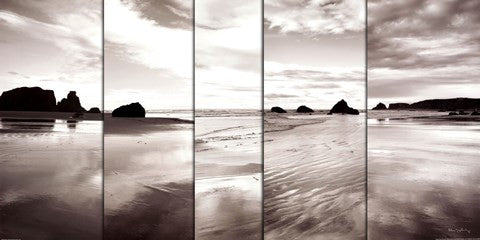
(310, 85)
(275, 95)
(417, 48)
(315, 17)
(166, 13)
(228, 54)
(145, 42)
(56, 40)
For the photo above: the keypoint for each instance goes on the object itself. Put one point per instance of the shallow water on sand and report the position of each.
(314, 186)
(423, 179)
(149, 183)
(228, 177)
(50, 180)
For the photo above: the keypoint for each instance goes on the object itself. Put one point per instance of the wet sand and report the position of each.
(228, 177)
(314, 186)
(423, 180)
(148, 178)
(50, 178)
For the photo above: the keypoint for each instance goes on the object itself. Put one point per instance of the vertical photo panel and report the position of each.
(314, 126)
(51, 128)
(228, 87)
(148, 169)
(423, 126)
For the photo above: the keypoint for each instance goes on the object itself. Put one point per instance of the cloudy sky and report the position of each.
(423, 49)
(148, 53)
(53, 44)
(314, 53)
(228, 38)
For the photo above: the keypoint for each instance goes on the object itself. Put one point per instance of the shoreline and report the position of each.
(418, 114)
(278, 126)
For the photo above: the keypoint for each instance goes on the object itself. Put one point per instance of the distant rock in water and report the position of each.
(343, 108)
(436, 104)
(94, 110)
(28, 99)
(304, 109)
(70, 104)
(475, 113)
(380, 106)
(130, 110)
(278, 110)
(396, 106)
(452, 113)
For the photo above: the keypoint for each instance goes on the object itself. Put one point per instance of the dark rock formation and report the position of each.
(28, 99)
(452, 113)
(304, 109)
(396, 106)
(451, 104)
(380, 106)
(70, 104)
(475, 113)
(94, 110)
(130, 110)
(343, 108)
(278, 110)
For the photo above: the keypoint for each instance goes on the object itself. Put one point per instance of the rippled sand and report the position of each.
(148, 174)
(423, 178)
(50, 179)
(228, 177)
(314, 186)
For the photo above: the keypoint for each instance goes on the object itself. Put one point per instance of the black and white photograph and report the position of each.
(423, 126)
(228, 123)
(148, 129)
(50, 111)
(239, 119)
(314, 121)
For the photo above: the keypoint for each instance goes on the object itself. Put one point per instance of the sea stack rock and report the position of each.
(277, 110)
(94, 110)
(380, 106)
(304, 109)
(396, 106)
(28, 99)
(343, 108)
(130, 110)
(70, 104)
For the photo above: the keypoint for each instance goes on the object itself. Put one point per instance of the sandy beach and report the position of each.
(423, 176)
(314, 186)
(228, 179)
(148, 175)
(50, 176)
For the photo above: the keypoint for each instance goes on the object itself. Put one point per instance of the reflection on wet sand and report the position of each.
(50, 180)
(423, 179)
(148, 189)
(228, 177)
(314, 185)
